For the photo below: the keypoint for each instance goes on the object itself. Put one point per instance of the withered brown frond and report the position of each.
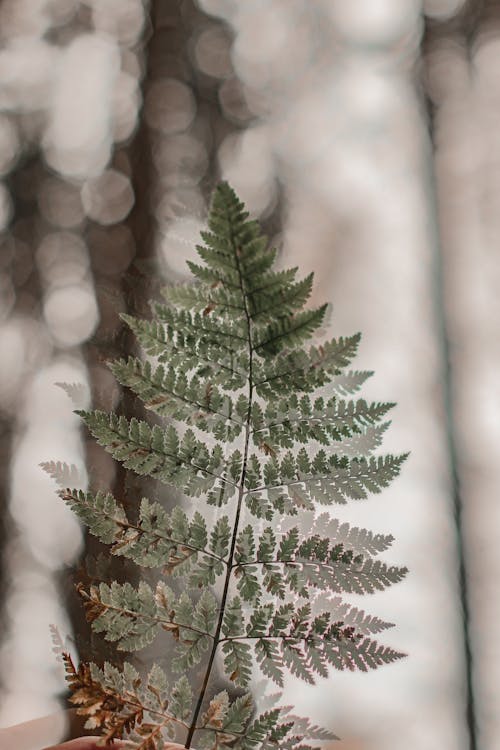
(118, 716)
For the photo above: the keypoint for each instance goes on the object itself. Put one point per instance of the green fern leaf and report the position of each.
(237, 656)
(295, 420)
(233, 623)
(238, 714)
(287, 332)
(192, 350)
(175, 542)
(231, 371)
(285, 302)
(185, 463)
(181, 699)
(220, 536)
(134, 617)
(356, 618)
(230, 335)
(270, 660)
(195, 635)
(303, 371)
(297, 481)
(169, 393)
(237, 662)
(198, 299)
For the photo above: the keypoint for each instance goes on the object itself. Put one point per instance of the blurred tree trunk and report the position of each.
(5, 452)
(112, 340)
(461, 29)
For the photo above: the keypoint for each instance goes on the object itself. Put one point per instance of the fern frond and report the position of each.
(169, 393)
(197, 298)
(278, 728)
(271, 284)
(181, 462)
(64, 474)
(230, 335)
(192, 351)
(308, 645)
(296, 481)
(237, 655)
(299, 577)
(235, 376)
(353, 617)
(287, 332)
(195, 636)
(176, 542)
(227, 277)
(293, 420)
(124, 706)
(362, 443)
(348, 383)
(286, 301)
(351, 538)
(303, 371)
(133, 618)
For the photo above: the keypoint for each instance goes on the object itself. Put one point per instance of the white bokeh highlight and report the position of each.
(77, 141)
(48, 537)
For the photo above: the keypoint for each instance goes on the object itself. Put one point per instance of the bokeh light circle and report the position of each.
(212, 50)
(125, 106)
(60, 203)
(71, 314)
(121, 19)
(177, 244)
(374, 23)
(442, 10)
(108, 199)
(170, 106)
(62, 259)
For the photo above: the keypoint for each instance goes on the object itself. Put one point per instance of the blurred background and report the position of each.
(366, 138)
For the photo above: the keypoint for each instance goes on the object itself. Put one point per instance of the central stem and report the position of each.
(241, 490)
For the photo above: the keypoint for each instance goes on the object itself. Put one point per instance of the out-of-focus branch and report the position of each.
(462, 28)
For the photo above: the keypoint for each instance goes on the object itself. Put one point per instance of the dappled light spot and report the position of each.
(177, 244)
(212, 51)
(60, 203)
(441, 10)
(27, 68)
(170, 106)
(125, 106)
(71, 314)
(246, 162)
(78, 139)
(234, 102)
(62, 259)
(108, 199)
(121, 19)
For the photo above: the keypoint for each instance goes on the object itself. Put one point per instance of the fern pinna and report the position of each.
(248, 433)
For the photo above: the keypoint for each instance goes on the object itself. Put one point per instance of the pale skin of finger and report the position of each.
(39, 734)
(36, 735)
(89, 743)
(84, 743)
